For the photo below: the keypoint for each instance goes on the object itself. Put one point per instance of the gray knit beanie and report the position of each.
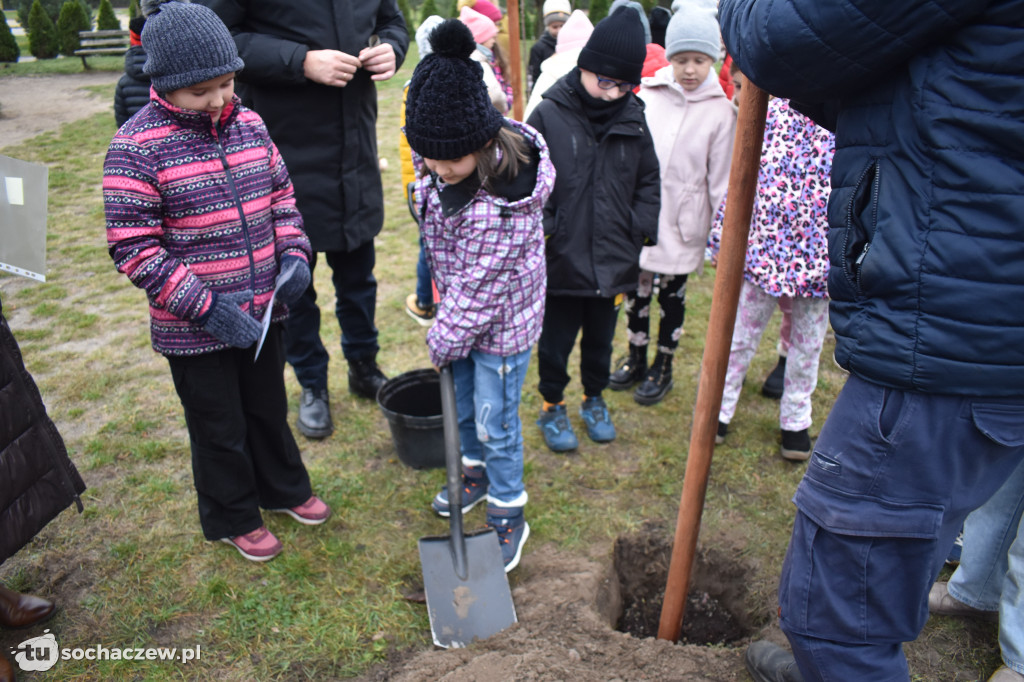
(693, 28)
(185, 44)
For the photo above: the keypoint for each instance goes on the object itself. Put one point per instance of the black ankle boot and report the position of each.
(776, 381)
(631, 370)
(365, 378)
(657, 383)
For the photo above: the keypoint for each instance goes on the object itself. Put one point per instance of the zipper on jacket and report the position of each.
(241, 214)
(874, 169)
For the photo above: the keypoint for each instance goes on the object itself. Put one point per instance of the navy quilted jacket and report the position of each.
(926, 215)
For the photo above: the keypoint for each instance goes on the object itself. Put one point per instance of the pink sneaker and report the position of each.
(257, 545)
(312, 512)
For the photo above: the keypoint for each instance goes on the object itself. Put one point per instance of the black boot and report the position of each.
(776, 381)
(631, 370)
(657, 383)
(365, 378)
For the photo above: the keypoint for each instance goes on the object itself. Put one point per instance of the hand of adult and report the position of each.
(330, 67)
(380, 61)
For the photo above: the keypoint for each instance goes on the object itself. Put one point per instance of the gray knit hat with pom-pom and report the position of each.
(185, 44)
(448, 113)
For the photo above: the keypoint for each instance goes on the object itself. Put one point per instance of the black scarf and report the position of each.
(601, 113)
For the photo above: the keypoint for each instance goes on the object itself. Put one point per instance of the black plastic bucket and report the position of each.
(412, 404)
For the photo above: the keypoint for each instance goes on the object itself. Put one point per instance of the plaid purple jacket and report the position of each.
(488, 263)
(192, 209)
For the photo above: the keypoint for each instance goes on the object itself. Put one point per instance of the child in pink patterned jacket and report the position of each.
(787, 255)
(201, 215)
(481, 208)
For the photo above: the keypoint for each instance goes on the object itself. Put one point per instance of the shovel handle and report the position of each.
(453, 467)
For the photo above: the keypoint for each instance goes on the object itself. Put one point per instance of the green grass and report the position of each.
(134, 569)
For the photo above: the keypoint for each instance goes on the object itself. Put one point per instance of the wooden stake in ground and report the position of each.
(746, 160)
(514, 60)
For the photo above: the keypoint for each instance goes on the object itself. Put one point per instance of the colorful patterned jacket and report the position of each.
(194, 208)
(486, 253)
(787, 248)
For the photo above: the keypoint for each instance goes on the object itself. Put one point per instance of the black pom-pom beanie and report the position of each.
(617, 47)
(448, 113)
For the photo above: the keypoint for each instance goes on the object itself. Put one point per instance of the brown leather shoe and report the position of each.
(22, 610)
(6, 670)
(941, 602)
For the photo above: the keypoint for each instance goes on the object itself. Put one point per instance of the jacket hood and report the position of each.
(663, 78)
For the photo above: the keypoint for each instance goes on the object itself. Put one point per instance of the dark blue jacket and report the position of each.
(926, 217)
(132, 92)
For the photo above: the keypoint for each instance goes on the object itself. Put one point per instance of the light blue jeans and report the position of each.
(991, 571)
(487, 393)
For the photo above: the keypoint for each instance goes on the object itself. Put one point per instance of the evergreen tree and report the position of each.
(42, 38)
(51, 7)
(429, 8)
(410, 18)
(133, 9)
(598, 10)
(9, 51)
(72, 19)
(107, 20)
(87, 11)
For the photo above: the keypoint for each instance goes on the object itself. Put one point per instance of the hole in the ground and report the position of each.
(714, 606)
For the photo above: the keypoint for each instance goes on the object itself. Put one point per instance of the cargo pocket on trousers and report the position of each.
(859, 568)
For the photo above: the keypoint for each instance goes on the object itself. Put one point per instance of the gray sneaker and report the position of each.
(315, 414)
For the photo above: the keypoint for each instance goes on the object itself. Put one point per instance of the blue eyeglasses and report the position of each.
(608, 84)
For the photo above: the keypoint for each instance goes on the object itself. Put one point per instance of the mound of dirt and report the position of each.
(567, 608)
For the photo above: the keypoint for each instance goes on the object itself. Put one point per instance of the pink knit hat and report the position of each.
(488, 9)
(574, 33)
(482, 28)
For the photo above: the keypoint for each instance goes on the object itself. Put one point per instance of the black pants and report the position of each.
(243, 454)
(355, 291)
(564, 317)
(671, 298)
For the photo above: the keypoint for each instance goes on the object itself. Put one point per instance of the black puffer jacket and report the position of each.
(132, 91)
(37, 479)
(327, 136)
(606, 198)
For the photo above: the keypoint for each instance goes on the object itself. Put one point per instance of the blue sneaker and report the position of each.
(474, 489)
(513, 531)
(558, 433)
(599, 422)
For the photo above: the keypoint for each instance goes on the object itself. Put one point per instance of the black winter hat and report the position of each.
(448, 113)
(658, 19)
(185, 44)
(617, 47)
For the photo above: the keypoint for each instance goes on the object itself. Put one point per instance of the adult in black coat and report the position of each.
(132, 91)
(39, 479)
(310, 72)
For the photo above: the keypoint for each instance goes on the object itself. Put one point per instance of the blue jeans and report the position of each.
(487, 392)
(991, 571)
(424, 287)
(891, 480)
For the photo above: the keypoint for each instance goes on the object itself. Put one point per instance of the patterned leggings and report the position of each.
(671, 298)
(810, 322)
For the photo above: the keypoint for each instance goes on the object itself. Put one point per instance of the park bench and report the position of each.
(94, 43)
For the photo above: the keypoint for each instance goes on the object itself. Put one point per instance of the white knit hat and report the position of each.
(575, 33)
(556, 10)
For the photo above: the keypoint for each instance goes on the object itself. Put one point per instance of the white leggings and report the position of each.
(810, 322)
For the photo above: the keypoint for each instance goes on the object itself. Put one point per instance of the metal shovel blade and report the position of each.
(465, 609)
(464, 579)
